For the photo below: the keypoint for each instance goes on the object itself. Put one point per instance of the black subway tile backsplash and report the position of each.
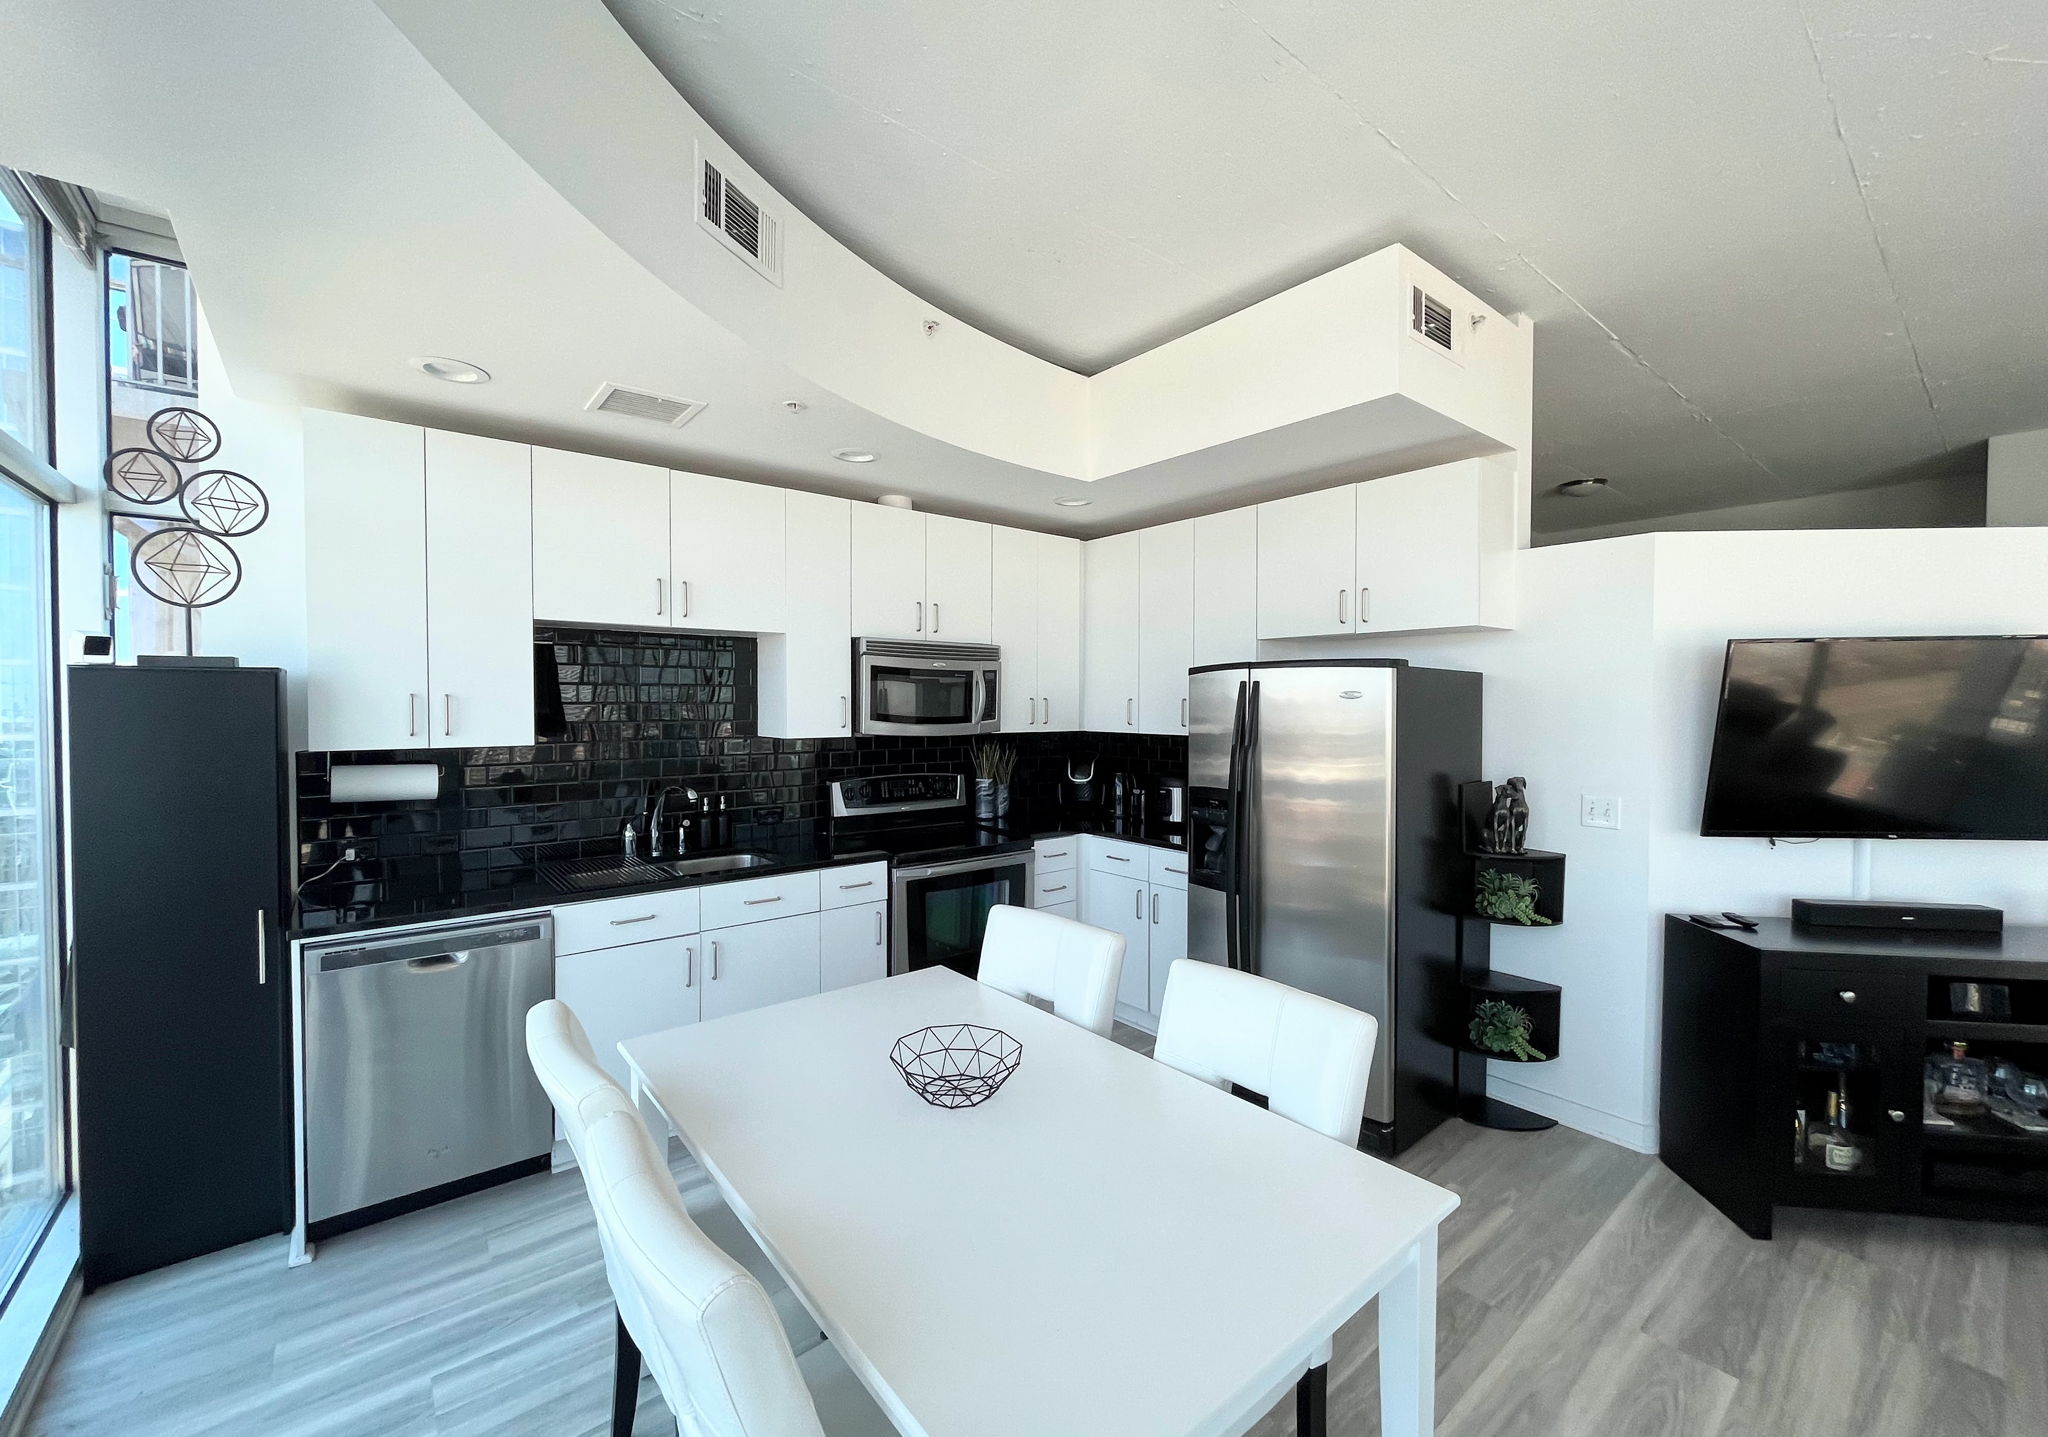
(644, 709)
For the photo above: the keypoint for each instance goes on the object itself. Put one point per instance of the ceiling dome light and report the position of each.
(1582, 488)
(854, 456)
(455, 371)
(1073, 503)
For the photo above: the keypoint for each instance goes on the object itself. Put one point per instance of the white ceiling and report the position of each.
(1773, 249)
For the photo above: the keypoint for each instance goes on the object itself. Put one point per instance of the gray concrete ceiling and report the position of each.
(1773, 249)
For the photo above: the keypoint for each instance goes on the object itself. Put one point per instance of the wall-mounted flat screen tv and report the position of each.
(1881, 738)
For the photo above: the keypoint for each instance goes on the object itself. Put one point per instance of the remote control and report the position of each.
(1746, 924)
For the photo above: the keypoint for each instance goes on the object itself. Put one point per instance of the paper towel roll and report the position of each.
(382, 782)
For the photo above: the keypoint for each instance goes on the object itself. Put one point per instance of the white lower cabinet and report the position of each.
(759, 963)
(1118, 904)
(1140, 892)
(630, 991)
(853, 945)
(1167, 940)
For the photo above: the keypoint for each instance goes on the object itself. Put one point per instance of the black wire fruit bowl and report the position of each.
(956, 1065)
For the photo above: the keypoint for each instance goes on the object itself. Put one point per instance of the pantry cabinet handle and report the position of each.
(412, 715)
(689, 966)
(685, 595)
(714, 960)
(1364, 605)
(660, 595)
(643, 918)
(757, 902)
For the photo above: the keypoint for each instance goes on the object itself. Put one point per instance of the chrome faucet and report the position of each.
(656, 807)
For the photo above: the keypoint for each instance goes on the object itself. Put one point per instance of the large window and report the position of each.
(31, 1114)
(24, 253)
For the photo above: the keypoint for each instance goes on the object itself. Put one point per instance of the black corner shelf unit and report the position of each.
(1544, 869)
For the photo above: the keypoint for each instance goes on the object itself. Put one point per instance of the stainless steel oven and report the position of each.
(940, 909)
(931, 690)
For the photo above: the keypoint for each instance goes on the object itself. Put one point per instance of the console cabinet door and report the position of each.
(1110, 639)
(1014, 624)
(956, 579)
(479, 591)
(631, 991)
(1308, 564)
(1120, 905)
(760, 963)
(725, 554)
(853, 945)
(1059, 633)
(600, 541)
(1227, 588)
(1166, 633)
(888, 573)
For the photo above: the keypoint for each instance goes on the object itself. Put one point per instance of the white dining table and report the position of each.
(1106, 1246)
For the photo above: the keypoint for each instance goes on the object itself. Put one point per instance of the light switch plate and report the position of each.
(1598, 810)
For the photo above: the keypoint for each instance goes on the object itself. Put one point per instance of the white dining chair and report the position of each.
(1030, 954)
(584, 1093)
(1309, 1057)
(704, 1323)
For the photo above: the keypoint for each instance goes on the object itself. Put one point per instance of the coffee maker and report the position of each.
(1079, 793)
(1166, 808)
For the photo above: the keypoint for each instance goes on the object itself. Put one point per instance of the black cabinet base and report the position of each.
(1484, 1112)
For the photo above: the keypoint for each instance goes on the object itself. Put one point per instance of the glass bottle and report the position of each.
(1841, 1149)
(1964, 1083)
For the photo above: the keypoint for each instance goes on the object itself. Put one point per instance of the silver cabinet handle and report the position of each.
(920, 614)
(1056, 888)
(1155, 908)
(1116, 858)
(689, 966)
(757, 902)
(845, 711)
(660, 595)
(1138, 911)
(1364, 605)
(1895, 1115)
(849, 887)
(1183, 713)
(878, 927)
(262, 949)
(935, 616)
(1847, 995)
(447, 715)
(714, 960)
(1130, 713)
(1342, 595)
(1054, 853)
(685, 595)
(412, 715)
(1181, 871)
(643, 918)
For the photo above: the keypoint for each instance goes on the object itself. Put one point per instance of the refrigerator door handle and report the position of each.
(1247, 879)
(1233, 809)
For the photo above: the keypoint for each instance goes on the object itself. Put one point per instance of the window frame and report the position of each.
(42, 387)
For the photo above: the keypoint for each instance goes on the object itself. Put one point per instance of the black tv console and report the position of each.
(1760, 1026)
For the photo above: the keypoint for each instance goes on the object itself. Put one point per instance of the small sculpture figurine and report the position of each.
(1507, 822)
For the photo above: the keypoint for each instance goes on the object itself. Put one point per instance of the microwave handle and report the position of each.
(984, 694)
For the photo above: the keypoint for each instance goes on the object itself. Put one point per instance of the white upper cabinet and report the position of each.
(1227, 587)
(725, 554)
(1308, 565)
(957, 562)
(1059, 633)
(888, 573)
(600, 541)
(1166, 625)
(1014, 625)
(1436, 548)
(1109, 645)
(479, 591)
(806, 672)
(366, 625)
(436, 650)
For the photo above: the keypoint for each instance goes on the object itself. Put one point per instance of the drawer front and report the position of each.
(640, 918)
(1048, 890)
(846, 887)
(1063, 910)
(756, 900)
(1057, 855)
(1169, 869)
(1848, 994)
(1109, 855)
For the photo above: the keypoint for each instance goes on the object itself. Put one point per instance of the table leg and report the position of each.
(650, 1114)
(1408, 1345)
(1312, 1403)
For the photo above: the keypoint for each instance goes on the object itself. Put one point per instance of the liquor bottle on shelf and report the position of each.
(1959, 1084)
(1841, 1150)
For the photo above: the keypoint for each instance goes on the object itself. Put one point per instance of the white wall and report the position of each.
(2016, 479)
(1949, 502)
(1608, 687)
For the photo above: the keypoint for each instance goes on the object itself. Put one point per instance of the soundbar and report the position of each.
(1897, 917)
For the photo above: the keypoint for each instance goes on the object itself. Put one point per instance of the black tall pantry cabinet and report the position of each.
(178, 981)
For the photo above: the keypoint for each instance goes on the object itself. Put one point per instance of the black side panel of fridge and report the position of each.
(178, 984)
(1437, 736)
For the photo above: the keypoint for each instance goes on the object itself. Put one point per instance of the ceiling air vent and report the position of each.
(1432, 322)
(738, 221)
(639, 404)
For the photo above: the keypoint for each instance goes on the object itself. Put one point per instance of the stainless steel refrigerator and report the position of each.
(1324, 843)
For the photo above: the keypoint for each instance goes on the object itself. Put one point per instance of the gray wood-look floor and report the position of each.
(1585, 1292)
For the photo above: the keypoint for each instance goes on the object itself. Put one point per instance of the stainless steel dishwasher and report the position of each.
(415, 1051)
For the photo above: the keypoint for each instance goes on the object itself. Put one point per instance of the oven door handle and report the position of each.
(961, 865)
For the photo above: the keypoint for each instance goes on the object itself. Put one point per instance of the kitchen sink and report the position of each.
(715, 863)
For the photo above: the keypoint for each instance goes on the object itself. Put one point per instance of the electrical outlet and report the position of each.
(1599, 811)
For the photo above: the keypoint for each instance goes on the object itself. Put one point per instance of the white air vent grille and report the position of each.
(1434, 323)
(639, 404)
(738, 220)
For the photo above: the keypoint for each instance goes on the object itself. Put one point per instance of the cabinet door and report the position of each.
(479, 591)
(806, 680)
(1168, 938)
(1059, 633)
(888, 573)
(956, 579)
(1119, 904)
(600, 541)
(1307, 563)
(629, 992)
(1418, 549)
(366, 583)
(1014, 625)
(1166, 632)
(725, 553)
(853, 946)
(760, 963)
(1110, 642)
(1227, 587)
(1807, 1062)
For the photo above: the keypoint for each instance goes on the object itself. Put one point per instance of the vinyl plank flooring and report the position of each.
(1584, 1292)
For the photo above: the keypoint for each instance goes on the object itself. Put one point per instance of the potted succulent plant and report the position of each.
(1508, 897)
(1502, 1029)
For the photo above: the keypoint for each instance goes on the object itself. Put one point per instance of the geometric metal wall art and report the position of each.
(189, 565)
(227, 503)
(183, 434)
(189, 568)
(143, 476)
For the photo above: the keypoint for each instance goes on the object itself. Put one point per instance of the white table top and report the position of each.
(1106, 1246)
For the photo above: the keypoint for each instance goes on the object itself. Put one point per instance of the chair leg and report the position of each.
(625, 1382)
(1312, 1402)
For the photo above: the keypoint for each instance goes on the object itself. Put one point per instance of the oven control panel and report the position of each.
(897, 793)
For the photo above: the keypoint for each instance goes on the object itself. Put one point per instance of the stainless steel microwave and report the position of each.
(934, 690)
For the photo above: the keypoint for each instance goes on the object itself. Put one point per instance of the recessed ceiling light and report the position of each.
(1582, 488)
(854, 456)
(455, 371)
(795, 406)
(1073, 503)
